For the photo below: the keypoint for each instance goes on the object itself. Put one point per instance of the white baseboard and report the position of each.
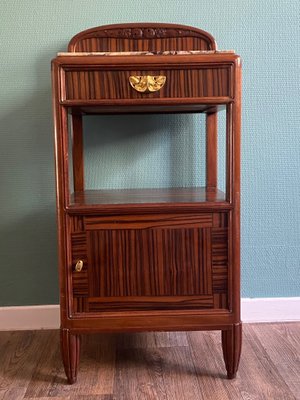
(271, 309)
(279, 309)
(29, 317)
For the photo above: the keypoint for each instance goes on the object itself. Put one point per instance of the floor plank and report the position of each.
(139, 375)
(152, 340)
(151, 366)
(257, 367)
(283, 340)
(48, 398)
(17, 361)
(97, 369)
(208, 360)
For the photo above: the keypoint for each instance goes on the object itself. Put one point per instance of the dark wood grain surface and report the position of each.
(97, 84)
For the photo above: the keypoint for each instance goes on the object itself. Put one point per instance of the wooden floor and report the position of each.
(167, 366)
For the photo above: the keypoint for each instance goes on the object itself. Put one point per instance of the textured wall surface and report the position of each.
(266, 35)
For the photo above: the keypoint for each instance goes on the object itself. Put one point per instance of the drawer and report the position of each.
(100, 84)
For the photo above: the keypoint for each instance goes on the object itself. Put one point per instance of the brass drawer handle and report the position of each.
(79, 266)
(147, 83)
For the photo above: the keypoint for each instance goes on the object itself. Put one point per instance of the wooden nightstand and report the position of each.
(147, 259)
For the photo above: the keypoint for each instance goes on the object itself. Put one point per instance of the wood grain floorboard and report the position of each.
(97, 369)
(256, 366)
(179, 374)
(17, 362)
(206, 350)
(163, 366)
(48, 398)
(162, 373)
(89, 397)
(76, 397)
(152, 340)
(139, 375)
(284, 340)
(47, 369)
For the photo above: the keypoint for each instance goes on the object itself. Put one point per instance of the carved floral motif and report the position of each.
(148, 33)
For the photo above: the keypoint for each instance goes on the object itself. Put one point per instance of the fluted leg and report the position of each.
(70, 350)
(232, 344)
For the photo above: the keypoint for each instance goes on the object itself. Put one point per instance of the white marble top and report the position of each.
(145, 53)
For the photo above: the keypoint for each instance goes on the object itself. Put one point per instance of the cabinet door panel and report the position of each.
(130, 264)
(150, 262)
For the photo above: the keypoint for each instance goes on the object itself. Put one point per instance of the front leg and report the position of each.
(232, 344)
(70, 351)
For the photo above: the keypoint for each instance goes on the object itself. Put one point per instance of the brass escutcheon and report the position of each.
(147, 83)
(79, 266)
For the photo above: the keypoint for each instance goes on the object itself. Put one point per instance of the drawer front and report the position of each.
(179, 83)
(172, 263)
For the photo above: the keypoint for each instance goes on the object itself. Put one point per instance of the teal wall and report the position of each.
(266, 35)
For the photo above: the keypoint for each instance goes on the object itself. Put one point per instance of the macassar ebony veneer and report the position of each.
(147, 259)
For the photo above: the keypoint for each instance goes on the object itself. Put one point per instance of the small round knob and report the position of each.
(79, 266)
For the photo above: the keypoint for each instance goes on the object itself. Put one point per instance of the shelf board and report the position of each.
(145, 109)
(146, 199)
(137, 106)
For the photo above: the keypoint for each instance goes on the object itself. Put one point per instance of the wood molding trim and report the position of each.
(277, 309)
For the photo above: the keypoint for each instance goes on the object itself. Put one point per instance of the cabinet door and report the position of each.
(146, 263)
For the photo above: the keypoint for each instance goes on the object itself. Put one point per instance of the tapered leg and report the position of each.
(70, 349)
(232, 344)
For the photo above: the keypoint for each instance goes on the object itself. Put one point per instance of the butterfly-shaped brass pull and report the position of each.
(147, 83)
